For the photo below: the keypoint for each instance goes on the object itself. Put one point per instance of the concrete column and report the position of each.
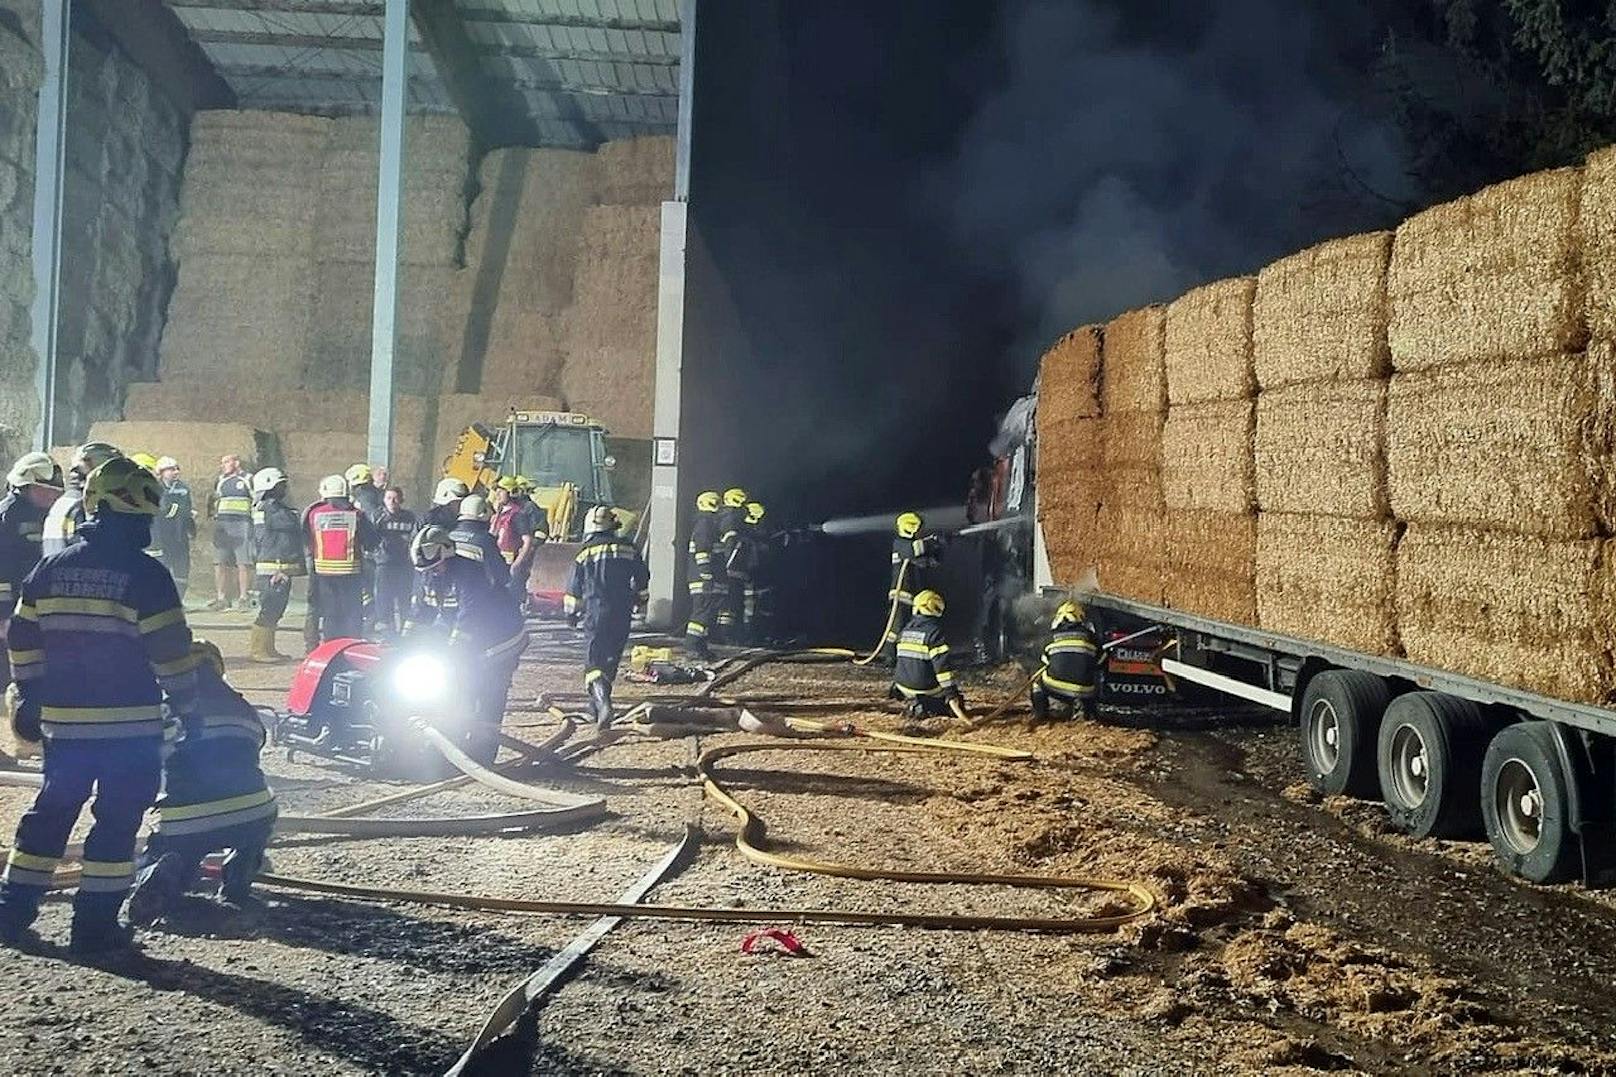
(50, 167)
(389, 229)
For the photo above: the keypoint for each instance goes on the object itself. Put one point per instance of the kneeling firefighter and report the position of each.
(485, 629)
(914, 554)
(278, 538)
(214, 799)
(923, 679)
(608, 580)
(1071, 665)
(98, 639)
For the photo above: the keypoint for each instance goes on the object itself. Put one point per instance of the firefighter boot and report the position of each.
(1040, 704)
(241, 867)
(96, 929)
(600, 697)
(261, 645)
(19, 906)
(158, 888)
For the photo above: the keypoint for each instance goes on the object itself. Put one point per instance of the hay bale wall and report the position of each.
(610, 371)
(1206, 456)
(1069, 375)
(1321, 448)
(1132, 547)
(1520, 446)
(1134, 372)
(1321, 314)
(1211, 564)
(1207, 343)
(1512, 609)
(636, 171)
(1329, 579)
(21, 68)
(1070, 488)
(1495, 275)
(1597, 233)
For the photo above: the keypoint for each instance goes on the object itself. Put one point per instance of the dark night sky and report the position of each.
(905, 201)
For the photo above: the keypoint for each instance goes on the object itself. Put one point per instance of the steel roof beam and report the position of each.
(539, 52)
(488, 16)
(262, 73)
(428, 13)
(495, 113)
(281, 7)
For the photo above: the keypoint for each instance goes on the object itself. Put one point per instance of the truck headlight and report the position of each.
(421, 678)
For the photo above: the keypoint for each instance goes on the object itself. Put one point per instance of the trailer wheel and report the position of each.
(1525, 801)
(1430, 751)
(1340, 716)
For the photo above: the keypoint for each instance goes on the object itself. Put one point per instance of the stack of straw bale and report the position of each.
(1325, 540)
(636, 171)
(1206, 453)
(1071, 446)
(1597, 229)
(1132, 524)
(20, 72)
(611, 328)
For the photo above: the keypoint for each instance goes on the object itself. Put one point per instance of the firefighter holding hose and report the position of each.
(1071, 665)
(706, 587)
(608, 580)
(914, 554)
(923, 678)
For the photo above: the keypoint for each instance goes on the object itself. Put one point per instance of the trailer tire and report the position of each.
(1526, 803)
(1429, 754)
(1338, 722)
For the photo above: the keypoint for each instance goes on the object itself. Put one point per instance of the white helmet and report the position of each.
(431, 547)
(601, 518)
(167, 463)
(35, 469)
(449, 491)
(474, 507)
(333, 486)
(263, 482)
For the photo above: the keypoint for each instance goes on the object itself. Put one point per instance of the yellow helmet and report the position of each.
(357, 475)
(121, 485)
(205, 653)
(735, 497)
(524, 484)
(707, 501)
(510, 484)
(754, 512)
(909, 525)
(929, 604)
(146, 460)
(1070, 613)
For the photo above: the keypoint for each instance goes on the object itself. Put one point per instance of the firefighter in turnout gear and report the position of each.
(923, 679)
(368, 500)
(98, 640)
(734, 558)
(914, 554)
(175, 526)
(706, 586)
(66, 515)
(486, 631)
(755, 606)
(608, 580)
(32, 487)
(278, 538)
(214, 799)
(337, 534)
(475, 542)
(395, 576)
(446, 499)
(1071, 665)
(231, 510)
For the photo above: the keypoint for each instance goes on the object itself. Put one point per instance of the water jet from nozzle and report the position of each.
(942, 518)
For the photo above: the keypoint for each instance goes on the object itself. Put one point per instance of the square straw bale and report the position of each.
(1495, 275)
(1070, 449)
(242, 142)
(1597, 225)
(1132, 546)
(1208, 343)
(1212, 565)
(240, 324)
(1321, 448)
(1328, 579)
(1069, 376)
(1521, 446)
(1131, 460)
(1207, 460)
(1513, 609)
(1321, 314)
(1069, 515)
(636, 171)
(1133, 368)
(526, 227)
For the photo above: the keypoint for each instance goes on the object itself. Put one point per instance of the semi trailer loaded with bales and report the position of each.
(1372, 487)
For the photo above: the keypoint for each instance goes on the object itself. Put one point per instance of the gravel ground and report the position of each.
(1293, 935)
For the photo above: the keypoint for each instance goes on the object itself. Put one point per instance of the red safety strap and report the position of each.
(788, 942)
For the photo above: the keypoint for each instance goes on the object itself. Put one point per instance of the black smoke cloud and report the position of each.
(1134, 150)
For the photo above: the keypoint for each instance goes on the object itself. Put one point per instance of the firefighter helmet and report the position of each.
(524, 484)
(267, 479)
(510, 484)
(474, 507)
(929, 604)
(909, 525)
(35, 469)
(92, 454)
(123, 486)
(602, 518)
(431, 547)
(754, 512)
(357, 475)
(333, 486)
(735, 498)
(146, 460)
(205, 653)
(167, 463)
(1070, 613)
(449, 491)
(707, 501)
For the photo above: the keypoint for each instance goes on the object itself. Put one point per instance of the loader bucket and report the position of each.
(552, 564)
